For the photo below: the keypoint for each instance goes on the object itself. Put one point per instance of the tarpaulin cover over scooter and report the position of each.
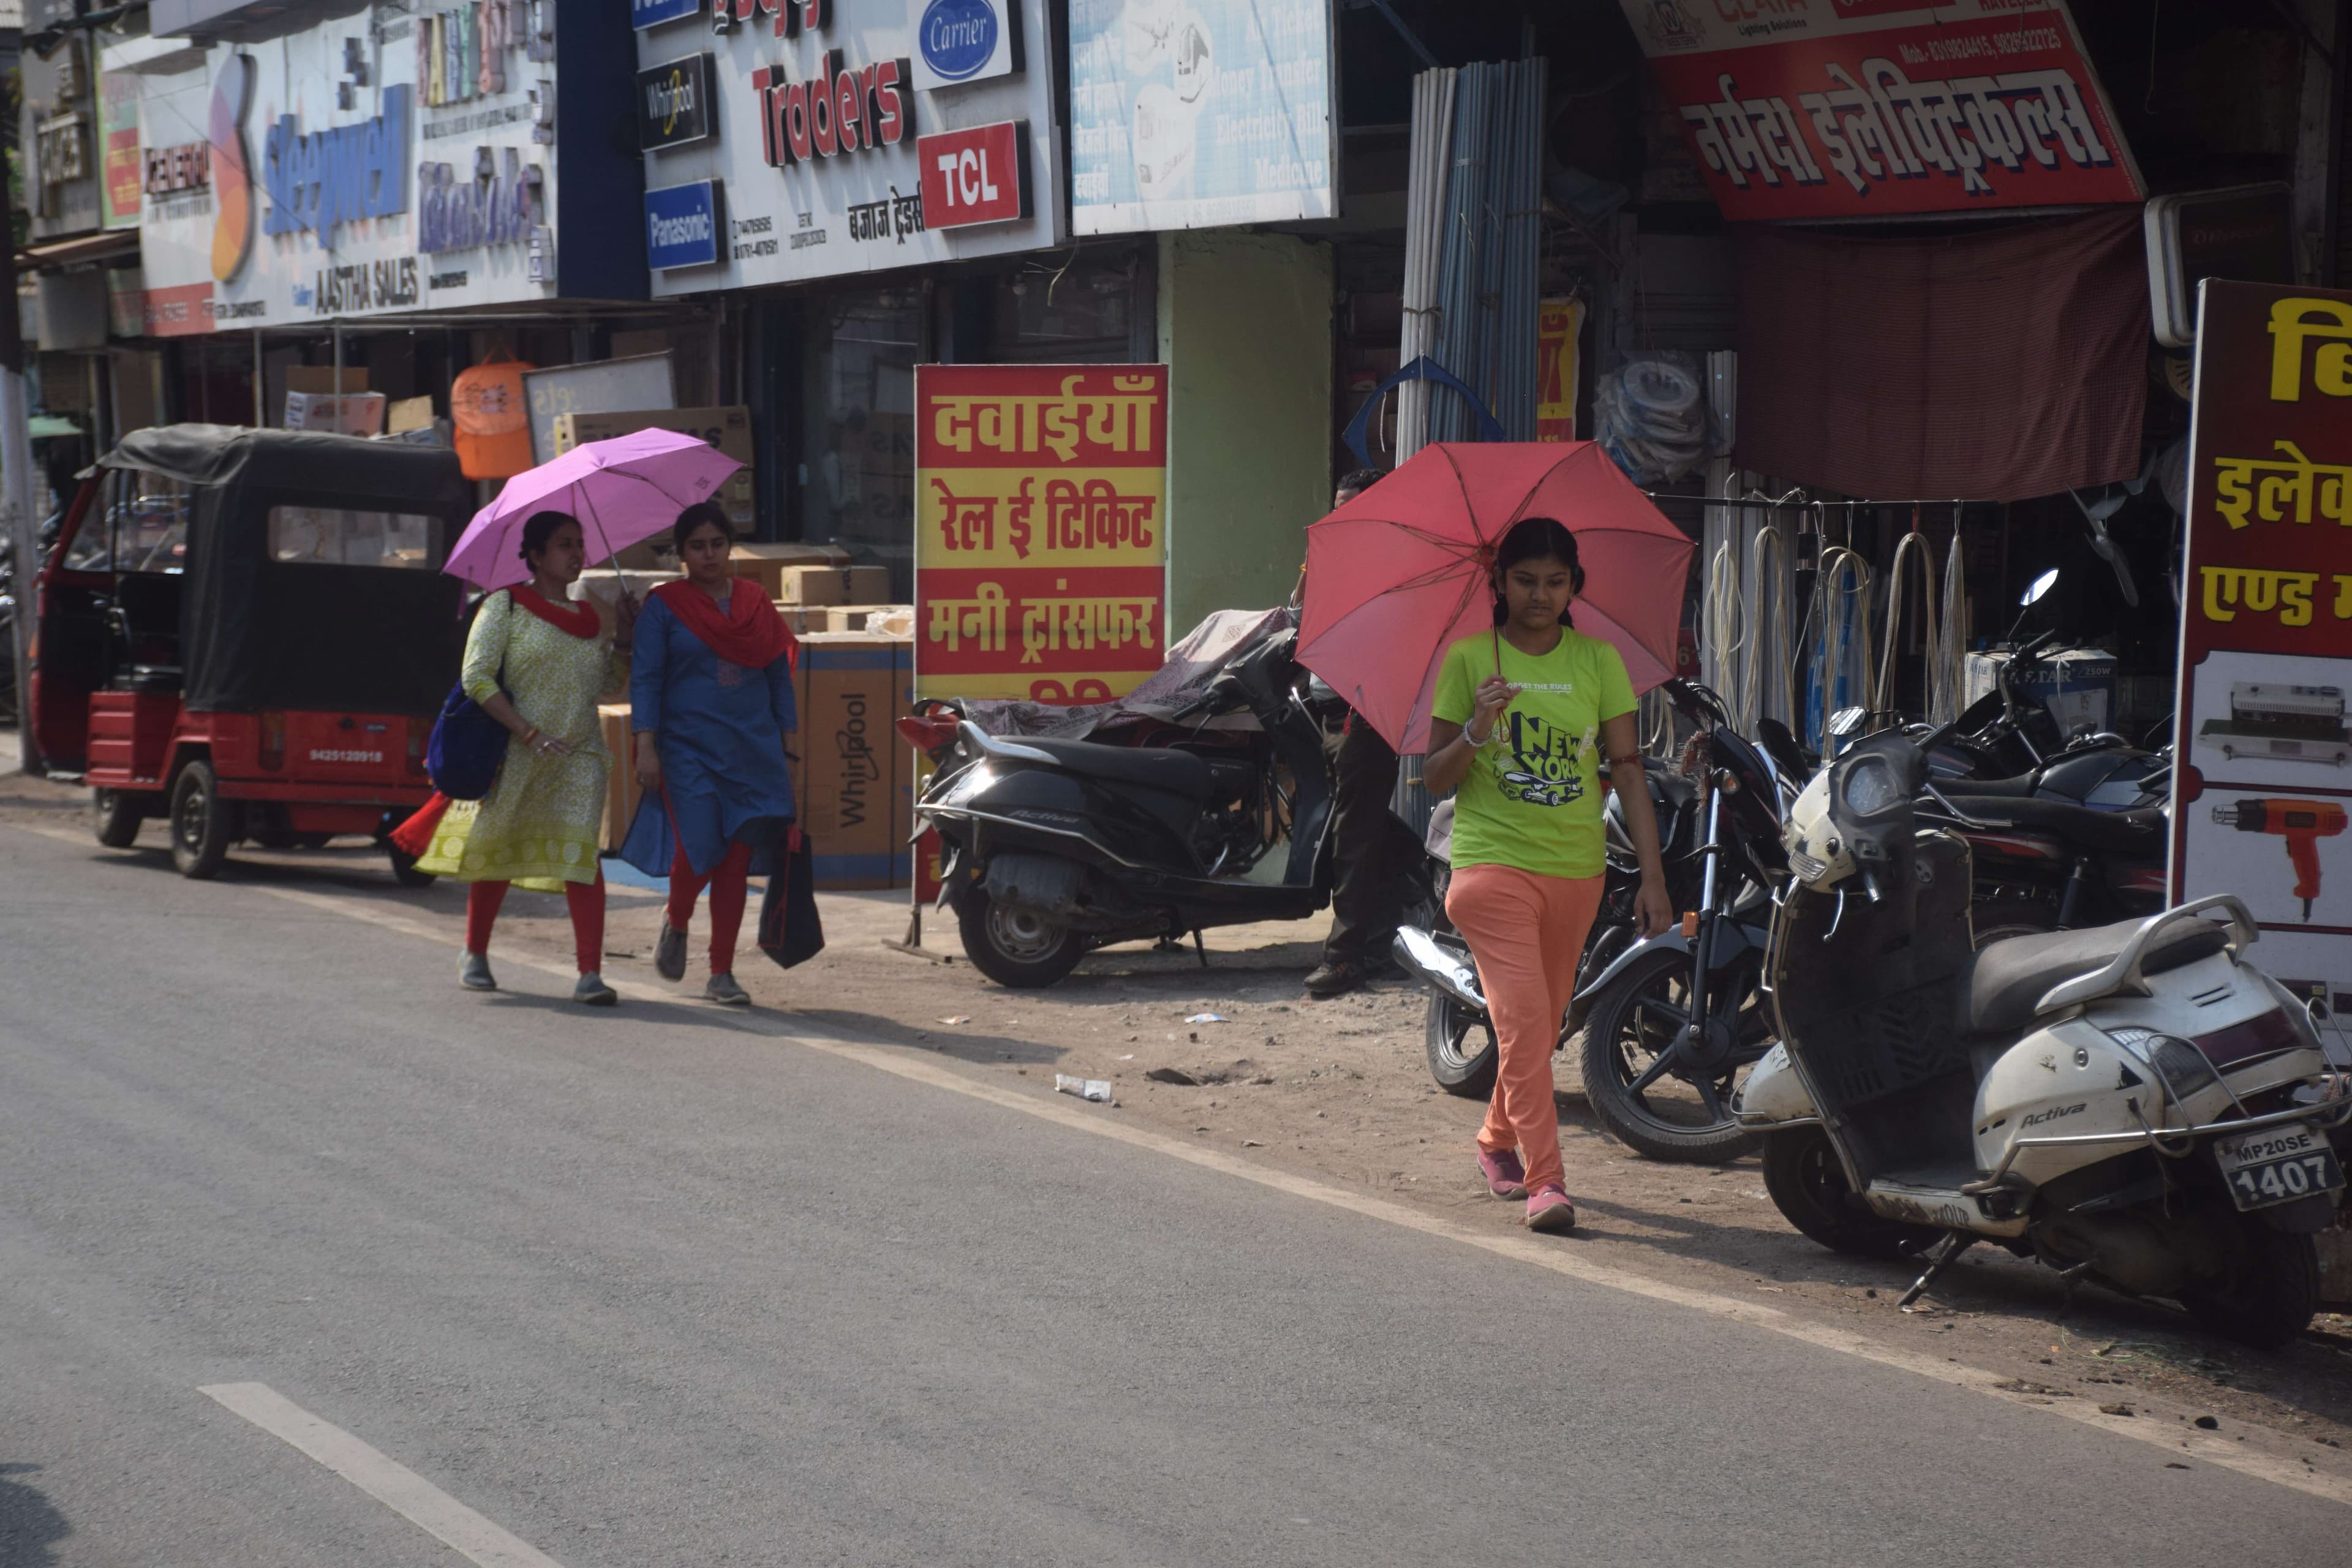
(1399, 574)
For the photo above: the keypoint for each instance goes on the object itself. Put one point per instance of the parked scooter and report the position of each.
(1054, 848)
(1671, 1022)
(2134, 1104)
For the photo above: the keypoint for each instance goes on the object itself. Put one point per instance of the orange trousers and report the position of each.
(1527, 932)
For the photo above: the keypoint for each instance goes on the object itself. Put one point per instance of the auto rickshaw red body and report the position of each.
(247, 634)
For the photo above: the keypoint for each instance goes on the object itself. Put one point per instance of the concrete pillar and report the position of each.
(1246, 327)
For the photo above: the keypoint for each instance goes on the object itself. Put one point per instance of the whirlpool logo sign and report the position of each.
(682, 226)
(959, 42)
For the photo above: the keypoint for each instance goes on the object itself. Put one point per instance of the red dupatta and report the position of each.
(747, 632)
(581, 619)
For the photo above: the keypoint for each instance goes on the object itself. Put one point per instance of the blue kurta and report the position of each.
(721, 730)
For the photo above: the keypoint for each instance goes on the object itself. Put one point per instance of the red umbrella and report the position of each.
(1401, 573)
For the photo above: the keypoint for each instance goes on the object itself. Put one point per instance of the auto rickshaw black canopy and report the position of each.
(258, 633)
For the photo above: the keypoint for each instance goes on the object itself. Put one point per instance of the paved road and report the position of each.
(655, 1286)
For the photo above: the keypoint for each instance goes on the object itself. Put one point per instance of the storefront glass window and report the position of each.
(857, 478)
(1083, 316)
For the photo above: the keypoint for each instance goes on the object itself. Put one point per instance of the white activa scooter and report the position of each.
(2134, 1104)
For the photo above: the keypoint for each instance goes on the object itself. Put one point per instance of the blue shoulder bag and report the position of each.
(467, 749)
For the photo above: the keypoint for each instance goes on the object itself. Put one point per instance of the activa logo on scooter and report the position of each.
(2054, 1114)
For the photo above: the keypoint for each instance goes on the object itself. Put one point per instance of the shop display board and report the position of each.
(1041, 532)
(1883, 107)
(2263, 778)
(845, 139)
(1193, 113)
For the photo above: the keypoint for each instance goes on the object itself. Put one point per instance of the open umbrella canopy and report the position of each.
(623, 490)
(1401, 573)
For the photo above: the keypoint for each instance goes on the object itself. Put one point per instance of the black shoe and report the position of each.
(670, 953)
(1335, 979)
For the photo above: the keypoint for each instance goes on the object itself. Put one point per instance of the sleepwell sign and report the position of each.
(826, 123)
(1809, 110)
(349, 170)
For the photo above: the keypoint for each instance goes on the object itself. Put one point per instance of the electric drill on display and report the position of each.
(2301, 823)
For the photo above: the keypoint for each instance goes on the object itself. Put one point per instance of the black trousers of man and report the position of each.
(1364, 910)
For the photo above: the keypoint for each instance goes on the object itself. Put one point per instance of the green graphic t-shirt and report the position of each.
(1532, 796)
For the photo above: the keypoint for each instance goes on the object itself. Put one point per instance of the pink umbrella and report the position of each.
(1400, 573)
(623, 490)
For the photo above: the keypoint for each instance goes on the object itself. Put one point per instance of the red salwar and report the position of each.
(730, 887)
(585, 901)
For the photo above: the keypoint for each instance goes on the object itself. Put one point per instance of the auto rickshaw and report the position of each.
(247, 634)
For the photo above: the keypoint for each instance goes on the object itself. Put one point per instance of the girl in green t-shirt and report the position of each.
(1519, 722)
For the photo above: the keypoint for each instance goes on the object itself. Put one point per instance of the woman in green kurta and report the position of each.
(537, 663)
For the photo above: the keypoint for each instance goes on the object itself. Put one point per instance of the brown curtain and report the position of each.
(1989, 366)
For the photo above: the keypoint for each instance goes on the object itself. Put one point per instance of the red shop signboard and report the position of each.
(2263, 776)
(1802, 109)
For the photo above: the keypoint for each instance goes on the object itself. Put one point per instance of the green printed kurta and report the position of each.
(538, 827)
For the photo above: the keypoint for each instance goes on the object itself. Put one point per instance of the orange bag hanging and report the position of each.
(493, 418)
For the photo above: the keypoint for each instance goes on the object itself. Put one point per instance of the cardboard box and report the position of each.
(607, 583)
(727, 428)
(2076, 685)
(317, 380)
(853, 617)
(814, 585)
(621, 790)
(852, 780)
(868, 586)
(765, 564)
(804, 619)
(352, 414)
(895, 622)
(406, 414)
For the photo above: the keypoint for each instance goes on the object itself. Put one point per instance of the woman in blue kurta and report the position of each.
(711, 699)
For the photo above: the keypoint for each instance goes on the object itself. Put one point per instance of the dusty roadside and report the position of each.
(1339, 1090)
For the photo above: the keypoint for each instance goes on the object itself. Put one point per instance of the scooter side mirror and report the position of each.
(2037, 588)
(1847, 722)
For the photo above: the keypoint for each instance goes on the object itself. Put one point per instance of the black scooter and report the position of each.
(1055, 847)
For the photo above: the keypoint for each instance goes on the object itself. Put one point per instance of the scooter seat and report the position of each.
(2140, 833)
(1149, 767)
(2001, 984)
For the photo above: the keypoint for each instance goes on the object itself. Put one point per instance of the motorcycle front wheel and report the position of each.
(1686, 1119)
(1463, 1053)
(1013, 947)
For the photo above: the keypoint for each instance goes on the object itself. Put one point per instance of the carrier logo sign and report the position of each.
(965, 40)
(682, 226)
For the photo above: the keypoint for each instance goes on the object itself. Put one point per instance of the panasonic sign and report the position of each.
(682, 226)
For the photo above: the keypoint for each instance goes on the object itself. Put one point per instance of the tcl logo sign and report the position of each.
(976, 176)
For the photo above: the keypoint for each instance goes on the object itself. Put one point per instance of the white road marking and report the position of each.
(386, 1479)
(2168, 1440)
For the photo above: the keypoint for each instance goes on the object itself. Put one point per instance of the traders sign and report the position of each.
(826, 122)
(1041, 530)
(2261, 786)
(1867, 107)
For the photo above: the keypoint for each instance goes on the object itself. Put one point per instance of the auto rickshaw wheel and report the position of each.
(115, 818)
(201, 822)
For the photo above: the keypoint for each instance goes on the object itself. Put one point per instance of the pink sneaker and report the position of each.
(1506, 1177)
(1549, 1212)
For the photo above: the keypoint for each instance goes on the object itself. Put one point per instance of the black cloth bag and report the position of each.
(789, 931)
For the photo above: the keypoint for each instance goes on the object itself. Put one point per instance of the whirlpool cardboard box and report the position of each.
(852, 779)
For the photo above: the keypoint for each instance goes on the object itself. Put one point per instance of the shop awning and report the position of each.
(86, 248)
(1998, 365)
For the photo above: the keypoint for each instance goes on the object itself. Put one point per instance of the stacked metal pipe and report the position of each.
(1472, 248)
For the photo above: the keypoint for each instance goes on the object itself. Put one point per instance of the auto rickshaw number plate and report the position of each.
(2277, 1165)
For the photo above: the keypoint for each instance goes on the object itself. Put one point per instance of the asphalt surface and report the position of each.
(660, 1286)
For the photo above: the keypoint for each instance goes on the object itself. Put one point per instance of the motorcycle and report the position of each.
(2134, 1104)
(1670, 1021)
(1054, 848)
